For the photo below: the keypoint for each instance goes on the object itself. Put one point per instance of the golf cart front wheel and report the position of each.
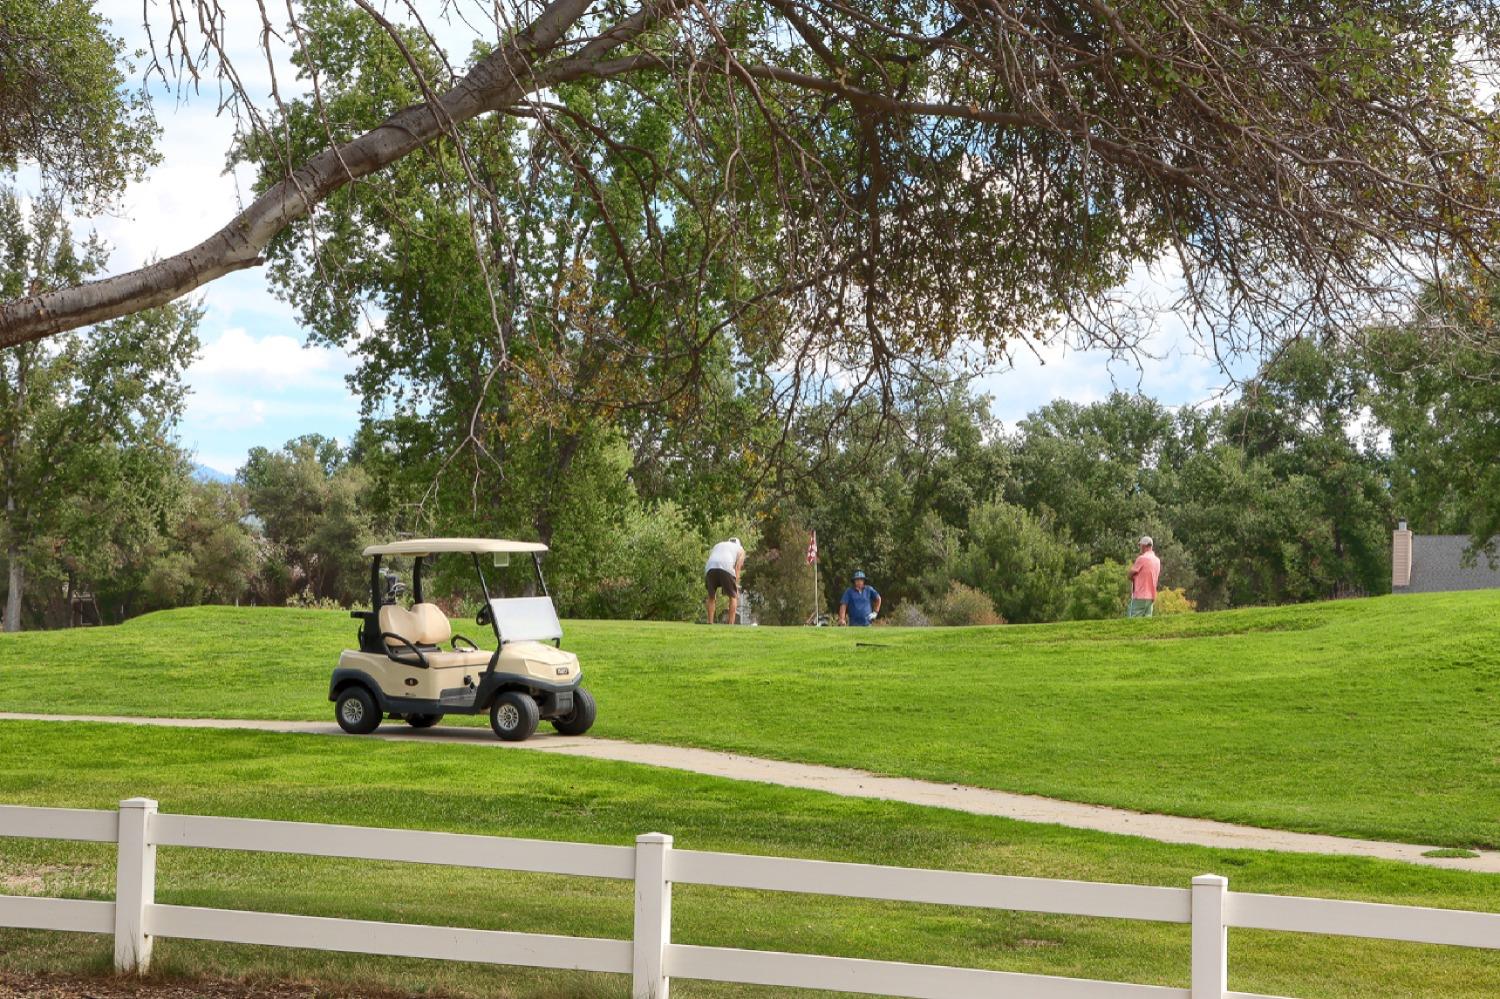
(423, 721)
(581, 718)
(514, 716)
(356, 711)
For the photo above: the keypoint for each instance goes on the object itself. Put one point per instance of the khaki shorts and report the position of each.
(1140, 608)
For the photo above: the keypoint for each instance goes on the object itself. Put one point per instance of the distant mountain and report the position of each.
(205, 474)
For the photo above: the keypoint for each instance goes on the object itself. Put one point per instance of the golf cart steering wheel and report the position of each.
(485, 616)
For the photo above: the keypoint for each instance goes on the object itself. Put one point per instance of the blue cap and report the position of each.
(859, 574)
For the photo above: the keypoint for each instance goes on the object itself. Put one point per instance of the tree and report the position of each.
(65, 107)
(838, 159)
(1298, 416)
(779, 575)
(311, 502)
(1013, 557)
(889, 492)
(1435, 386)
(1095, 468)
(84, 420)
(651, 572)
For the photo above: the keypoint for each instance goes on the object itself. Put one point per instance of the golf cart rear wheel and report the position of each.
(423, 721)
(581, 718)
(356, 711)
(514, 716)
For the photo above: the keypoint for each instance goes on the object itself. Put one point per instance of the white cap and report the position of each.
(1145, 541)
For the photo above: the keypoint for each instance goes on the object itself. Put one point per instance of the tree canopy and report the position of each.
(848, 191)
(65, 104)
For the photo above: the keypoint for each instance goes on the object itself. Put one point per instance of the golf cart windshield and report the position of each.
(526, 619)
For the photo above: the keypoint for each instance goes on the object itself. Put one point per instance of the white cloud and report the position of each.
(275, 361)
(212, 411)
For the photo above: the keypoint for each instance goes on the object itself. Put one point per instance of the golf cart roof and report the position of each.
(434, 546)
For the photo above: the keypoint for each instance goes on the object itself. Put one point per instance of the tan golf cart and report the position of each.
(402, 669)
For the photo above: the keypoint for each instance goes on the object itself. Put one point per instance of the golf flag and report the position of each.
(812, 547)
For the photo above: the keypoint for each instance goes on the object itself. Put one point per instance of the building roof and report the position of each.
(1437, 566)
(434, 546)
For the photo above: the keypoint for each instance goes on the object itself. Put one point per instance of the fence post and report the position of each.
(135, 885)
(653, 917)
(1210, 937)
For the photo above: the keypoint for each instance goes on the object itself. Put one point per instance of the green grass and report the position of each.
(459, 788)
(1373, 718)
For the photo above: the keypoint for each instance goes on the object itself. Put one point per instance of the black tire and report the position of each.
(356, 711)
(514, 716)
(423, 721)
(581, 718)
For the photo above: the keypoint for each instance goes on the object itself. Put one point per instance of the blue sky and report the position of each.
(255, 383)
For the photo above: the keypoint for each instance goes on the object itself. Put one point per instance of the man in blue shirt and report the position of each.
(860, 603)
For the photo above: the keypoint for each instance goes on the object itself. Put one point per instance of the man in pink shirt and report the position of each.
(1143, 577)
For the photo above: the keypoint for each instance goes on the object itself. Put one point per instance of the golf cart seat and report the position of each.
(415, 637)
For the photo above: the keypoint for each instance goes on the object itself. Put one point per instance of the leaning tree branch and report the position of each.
(501, 78)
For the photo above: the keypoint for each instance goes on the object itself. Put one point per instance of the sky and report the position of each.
(256, 382)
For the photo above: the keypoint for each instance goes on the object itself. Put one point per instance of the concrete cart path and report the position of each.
(857, 784)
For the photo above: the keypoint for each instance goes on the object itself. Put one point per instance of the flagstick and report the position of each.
(815, 591)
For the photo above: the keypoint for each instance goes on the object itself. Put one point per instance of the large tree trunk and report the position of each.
(17, 586)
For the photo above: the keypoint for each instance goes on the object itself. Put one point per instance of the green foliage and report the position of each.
(311, 503)
(304, 600)
(64, 103)
(893, 493)
(650, 570)
(1015, 559)
(1438, 395)
(1095, 468)
(88, 470)
(963, 605)
(169, 581)
(779, 576)
(1098, 592)
(1173, 601)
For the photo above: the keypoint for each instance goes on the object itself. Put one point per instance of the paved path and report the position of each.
(860, 784)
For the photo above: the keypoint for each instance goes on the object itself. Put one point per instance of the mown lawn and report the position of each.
(457, 788)
(1372, 718)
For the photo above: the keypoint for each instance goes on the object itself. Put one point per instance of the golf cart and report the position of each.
(402, 670)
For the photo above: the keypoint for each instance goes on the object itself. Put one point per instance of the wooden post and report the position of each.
(135, 885)
(1210, 938)
(653, 917)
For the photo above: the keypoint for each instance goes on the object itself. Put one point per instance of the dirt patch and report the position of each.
(15, 986)
(30, 879)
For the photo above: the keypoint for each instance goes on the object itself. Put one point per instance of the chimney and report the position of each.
(1401, 557)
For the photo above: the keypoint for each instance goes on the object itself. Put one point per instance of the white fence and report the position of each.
(650, 958)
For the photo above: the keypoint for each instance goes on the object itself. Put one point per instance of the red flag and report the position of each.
(812, 547)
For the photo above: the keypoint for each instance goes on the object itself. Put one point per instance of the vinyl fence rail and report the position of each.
(650, 957)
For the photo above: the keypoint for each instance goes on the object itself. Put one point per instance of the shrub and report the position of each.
(907, 615)
(653, 569)
(963, 605)
(306, 599)
(1174, 601)
(1098, 592)
(1014, 557)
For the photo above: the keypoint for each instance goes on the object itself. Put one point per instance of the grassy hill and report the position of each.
(1370, 718)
